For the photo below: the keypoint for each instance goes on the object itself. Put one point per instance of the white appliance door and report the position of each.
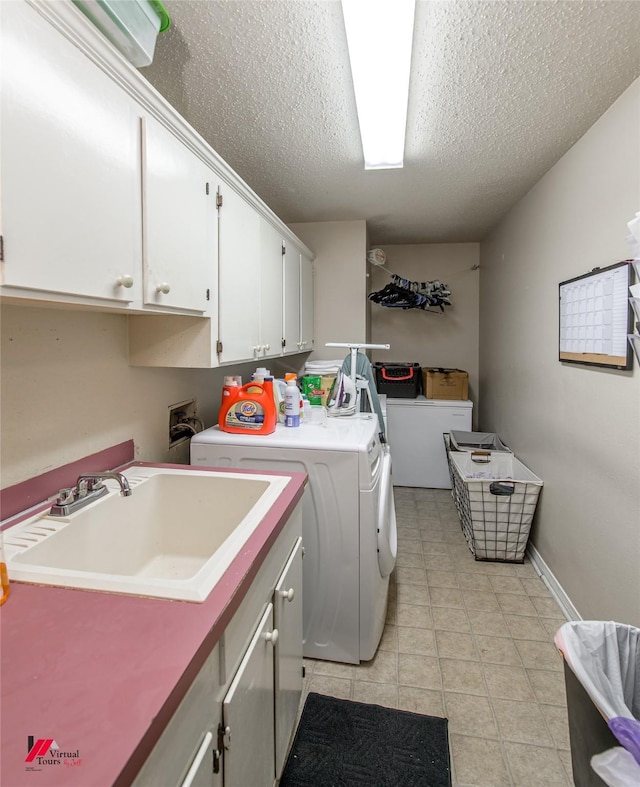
(416, 427)
(386, 529)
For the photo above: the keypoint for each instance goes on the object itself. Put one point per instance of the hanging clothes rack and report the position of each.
(401, 293)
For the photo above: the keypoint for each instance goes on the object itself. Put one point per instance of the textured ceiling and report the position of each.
(499, 91)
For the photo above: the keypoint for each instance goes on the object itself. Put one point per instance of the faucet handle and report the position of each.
(65, 496)
(82, 487)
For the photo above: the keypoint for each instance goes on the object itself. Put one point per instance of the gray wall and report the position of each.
(578, 428)
(340, 302)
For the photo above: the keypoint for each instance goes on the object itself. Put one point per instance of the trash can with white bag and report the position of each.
(602, 676)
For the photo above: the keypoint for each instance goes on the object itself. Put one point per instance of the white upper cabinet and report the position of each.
(180, 222)
(291, 294)
(238, 278)
(110, 200)
(71, 220)
(271, 245)
(298, 300)
(249, 282)
(306, 303)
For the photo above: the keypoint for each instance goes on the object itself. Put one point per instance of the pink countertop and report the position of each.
(101, 674)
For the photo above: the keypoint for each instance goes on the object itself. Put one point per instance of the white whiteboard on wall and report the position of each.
(595, 318)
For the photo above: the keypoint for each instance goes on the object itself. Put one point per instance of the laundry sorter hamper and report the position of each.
(456, 440)
(476, 441)
(496, 497)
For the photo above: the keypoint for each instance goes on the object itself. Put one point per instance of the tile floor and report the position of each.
(471, 641)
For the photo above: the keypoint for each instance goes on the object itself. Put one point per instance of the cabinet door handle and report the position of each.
(197, 760)
(126, 280)
(164, 287)
(266, 346)
(288, 594)
(272, 636)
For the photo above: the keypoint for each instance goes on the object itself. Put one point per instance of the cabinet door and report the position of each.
(238, 278)
(248, 713)
(306, 303)
(288, 621)
(70, 167)
(180, 222)
(270, 290)
(184, 754)
(200, 773)
(291, 291)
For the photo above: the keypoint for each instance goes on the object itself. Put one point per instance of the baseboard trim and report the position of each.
(555, 588)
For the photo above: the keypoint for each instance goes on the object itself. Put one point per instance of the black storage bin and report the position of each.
(398, 380)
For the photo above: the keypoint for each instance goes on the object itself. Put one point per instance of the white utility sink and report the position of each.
(174, 537)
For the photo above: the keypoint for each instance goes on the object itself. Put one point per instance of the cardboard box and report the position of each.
(445, 383)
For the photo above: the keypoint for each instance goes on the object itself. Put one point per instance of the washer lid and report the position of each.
(387, 533)
(341, 433)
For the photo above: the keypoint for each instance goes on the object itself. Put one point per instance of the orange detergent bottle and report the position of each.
(250, 408)
(4, 577)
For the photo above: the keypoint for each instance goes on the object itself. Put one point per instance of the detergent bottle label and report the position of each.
(245, 414)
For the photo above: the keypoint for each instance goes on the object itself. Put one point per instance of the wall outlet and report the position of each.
(183, 422)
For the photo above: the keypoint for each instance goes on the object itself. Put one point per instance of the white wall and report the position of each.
(339, 281)
(68, 391)
(578, 428)
(415, 336)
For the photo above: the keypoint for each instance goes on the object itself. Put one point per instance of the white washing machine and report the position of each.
(348, 528)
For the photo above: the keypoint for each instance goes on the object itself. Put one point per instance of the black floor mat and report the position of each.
(340, 743)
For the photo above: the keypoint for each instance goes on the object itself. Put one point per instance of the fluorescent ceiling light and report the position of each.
(379, 35)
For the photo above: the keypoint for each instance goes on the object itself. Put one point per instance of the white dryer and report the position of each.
(348, 529)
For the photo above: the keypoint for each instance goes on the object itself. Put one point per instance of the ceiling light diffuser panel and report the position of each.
(380, 37)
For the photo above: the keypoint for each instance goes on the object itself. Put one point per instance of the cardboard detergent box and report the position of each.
(445, 383)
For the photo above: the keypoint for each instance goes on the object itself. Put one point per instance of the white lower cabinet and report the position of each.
(234, 725)
(288, 675)
(248, 712)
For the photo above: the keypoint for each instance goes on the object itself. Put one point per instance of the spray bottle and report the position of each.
(292, 401)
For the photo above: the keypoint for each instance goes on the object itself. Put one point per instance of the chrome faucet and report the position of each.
(89, 487)
(94, 481)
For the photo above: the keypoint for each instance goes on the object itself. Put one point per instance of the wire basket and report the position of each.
(496, 497)
(476, 441)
